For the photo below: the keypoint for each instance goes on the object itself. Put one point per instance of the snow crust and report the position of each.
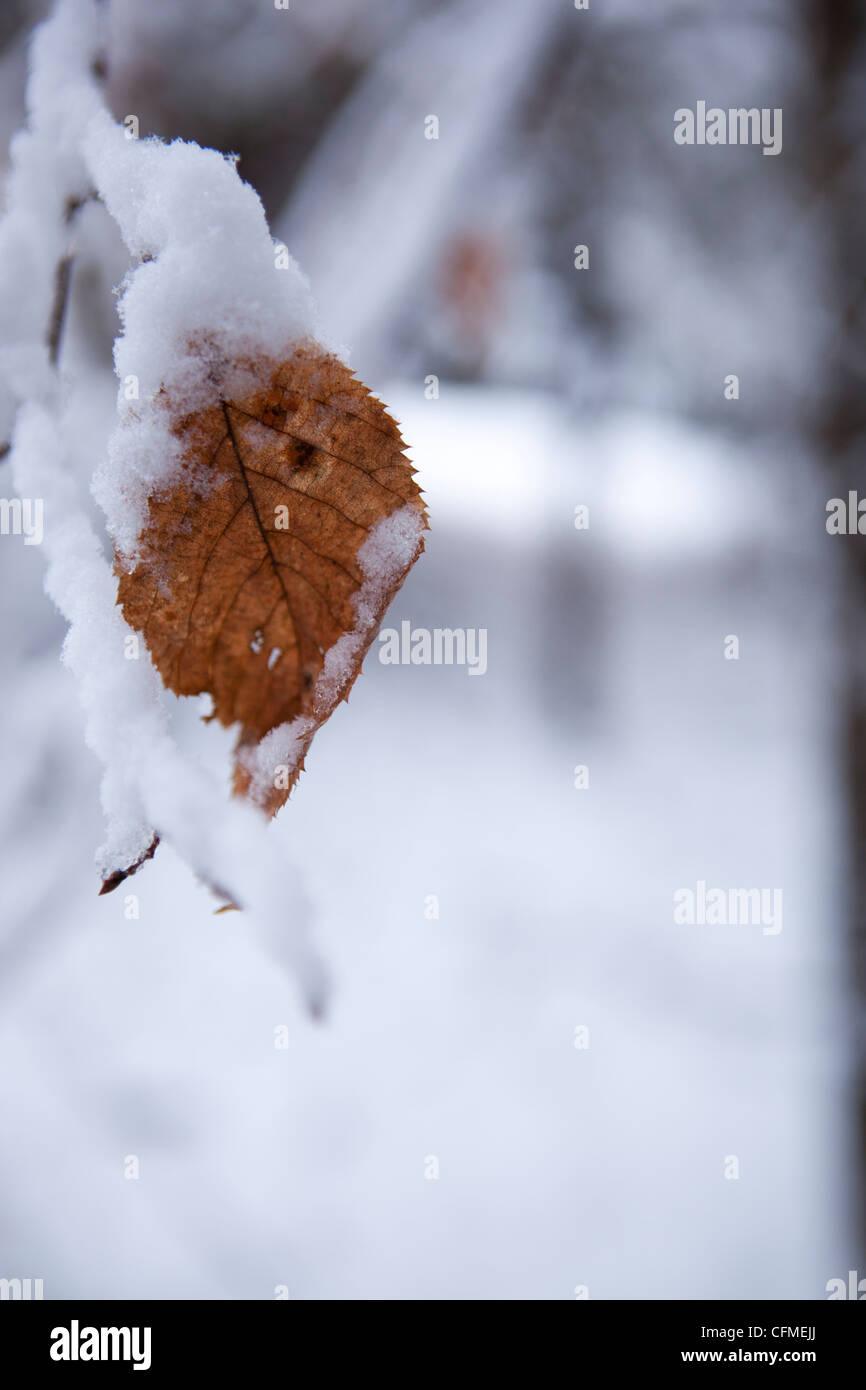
(207, 275)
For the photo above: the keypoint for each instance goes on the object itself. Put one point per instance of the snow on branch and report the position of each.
(184, 214)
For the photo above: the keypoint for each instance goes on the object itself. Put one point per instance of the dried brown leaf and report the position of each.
(247, 571)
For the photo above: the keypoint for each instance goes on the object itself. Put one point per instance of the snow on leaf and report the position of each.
(266, 563)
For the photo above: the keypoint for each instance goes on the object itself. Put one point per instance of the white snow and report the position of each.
(454, 1036)
(47, 172)
(142, 1023)
(202, 313)
(187, 207)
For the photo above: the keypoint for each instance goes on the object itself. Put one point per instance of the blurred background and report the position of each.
(531, 1081)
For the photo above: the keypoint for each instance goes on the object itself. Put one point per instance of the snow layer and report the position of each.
(187, 208)
(46, 178)
(210, 303)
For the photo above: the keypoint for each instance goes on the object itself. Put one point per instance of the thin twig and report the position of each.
(62, 280)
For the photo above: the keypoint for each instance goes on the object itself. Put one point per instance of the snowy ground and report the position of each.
(453, 1038)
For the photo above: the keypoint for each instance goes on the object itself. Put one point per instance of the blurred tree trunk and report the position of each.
(836, 34)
